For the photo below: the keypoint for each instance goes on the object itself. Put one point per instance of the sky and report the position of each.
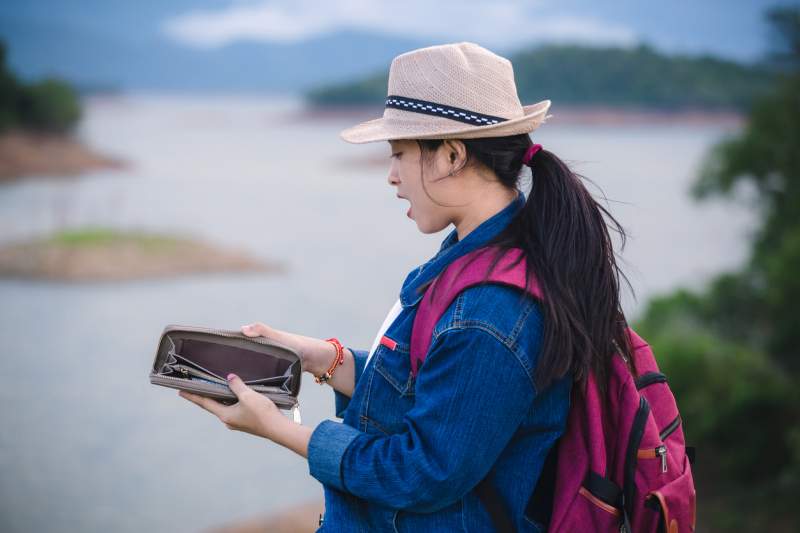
(732, 28)
(294, 20)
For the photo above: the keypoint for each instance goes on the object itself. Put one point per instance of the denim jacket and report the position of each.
(410, 450)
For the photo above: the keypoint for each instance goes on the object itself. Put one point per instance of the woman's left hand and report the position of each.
(254, 413)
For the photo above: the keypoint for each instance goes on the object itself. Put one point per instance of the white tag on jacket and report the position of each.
(393, 313)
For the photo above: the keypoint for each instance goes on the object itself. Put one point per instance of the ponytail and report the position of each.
(564, 234)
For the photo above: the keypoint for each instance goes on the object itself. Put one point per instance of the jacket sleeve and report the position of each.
(341, 401)
(470, 396)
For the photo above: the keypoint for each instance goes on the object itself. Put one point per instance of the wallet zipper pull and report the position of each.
(296, 413)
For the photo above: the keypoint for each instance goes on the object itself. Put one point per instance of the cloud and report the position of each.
(498, 23)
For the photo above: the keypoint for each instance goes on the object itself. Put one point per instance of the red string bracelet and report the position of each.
(338, 360)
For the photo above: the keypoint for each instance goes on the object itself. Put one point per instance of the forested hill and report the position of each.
(578, 75)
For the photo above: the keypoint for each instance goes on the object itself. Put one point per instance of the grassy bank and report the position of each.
(104, 254)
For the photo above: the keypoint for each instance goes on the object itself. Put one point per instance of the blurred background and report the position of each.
(178, 162)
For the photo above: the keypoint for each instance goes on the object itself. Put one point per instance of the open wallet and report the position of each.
(198, 359)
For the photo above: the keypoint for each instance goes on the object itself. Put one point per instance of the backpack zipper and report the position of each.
(652, 453)
(672, 426)
(661, 451)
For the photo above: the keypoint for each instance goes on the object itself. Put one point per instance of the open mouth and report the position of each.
(408, 213)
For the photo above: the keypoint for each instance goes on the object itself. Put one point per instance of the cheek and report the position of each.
(408, 172)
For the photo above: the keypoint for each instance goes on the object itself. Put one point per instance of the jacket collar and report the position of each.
(451, 249)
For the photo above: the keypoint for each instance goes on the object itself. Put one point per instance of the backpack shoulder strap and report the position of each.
(466, 271)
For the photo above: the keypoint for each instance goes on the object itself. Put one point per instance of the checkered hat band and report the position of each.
(441, 110)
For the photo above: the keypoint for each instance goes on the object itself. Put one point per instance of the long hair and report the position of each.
(564, 234)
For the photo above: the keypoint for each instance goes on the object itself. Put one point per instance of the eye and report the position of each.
(397, 154)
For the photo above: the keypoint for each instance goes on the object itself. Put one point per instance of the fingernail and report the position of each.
(231, 376)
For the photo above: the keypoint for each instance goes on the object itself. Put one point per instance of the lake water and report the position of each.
(88, 444)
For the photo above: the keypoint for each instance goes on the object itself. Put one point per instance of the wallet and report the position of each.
(198, 359)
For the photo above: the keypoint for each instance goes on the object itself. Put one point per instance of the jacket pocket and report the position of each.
(390, 392)
(393, 364)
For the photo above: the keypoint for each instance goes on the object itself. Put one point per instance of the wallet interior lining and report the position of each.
(210, 362)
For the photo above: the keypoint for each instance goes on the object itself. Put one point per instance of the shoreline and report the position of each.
(24, 154)
(103, 255)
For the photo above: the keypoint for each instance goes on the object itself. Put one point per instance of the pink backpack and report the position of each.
(621, 464)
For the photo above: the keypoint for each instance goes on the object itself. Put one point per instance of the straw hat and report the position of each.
(449, 91)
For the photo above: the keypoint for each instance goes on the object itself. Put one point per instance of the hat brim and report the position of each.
(420, 126)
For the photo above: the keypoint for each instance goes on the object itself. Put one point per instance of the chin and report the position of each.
(429, 228)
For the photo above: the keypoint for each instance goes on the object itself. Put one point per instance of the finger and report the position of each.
(205, 402)
(238, 386)
(256, 329)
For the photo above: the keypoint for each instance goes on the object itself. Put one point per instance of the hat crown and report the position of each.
(464, 75)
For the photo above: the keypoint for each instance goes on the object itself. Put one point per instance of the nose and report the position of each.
(393, 179)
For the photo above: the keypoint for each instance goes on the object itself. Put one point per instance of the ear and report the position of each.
(455, 151)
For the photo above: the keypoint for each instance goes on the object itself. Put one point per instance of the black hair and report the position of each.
(564, 234)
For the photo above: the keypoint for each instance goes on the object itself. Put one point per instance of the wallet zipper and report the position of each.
(237, 335)
(228, 333)
(280, 400)
(186, 369)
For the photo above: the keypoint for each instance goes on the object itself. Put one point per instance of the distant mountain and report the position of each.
(90, 58)
(101, 44)
(580, 75)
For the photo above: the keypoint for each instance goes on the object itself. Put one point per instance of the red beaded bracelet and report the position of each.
(338, 360)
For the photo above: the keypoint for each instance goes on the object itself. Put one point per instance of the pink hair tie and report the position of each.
(530, 152)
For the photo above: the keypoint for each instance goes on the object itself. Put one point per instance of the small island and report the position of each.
(37, 121)
(102, 254)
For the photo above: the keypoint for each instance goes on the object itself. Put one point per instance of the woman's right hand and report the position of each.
(316, 354)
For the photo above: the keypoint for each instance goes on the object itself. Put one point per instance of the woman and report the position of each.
(492, 395)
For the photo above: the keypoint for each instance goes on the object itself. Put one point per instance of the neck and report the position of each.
(482, 210)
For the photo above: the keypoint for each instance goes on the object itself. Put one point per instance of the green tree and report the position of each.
(9, 92)
(50, 105)
(766, 157)
(732, 351)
